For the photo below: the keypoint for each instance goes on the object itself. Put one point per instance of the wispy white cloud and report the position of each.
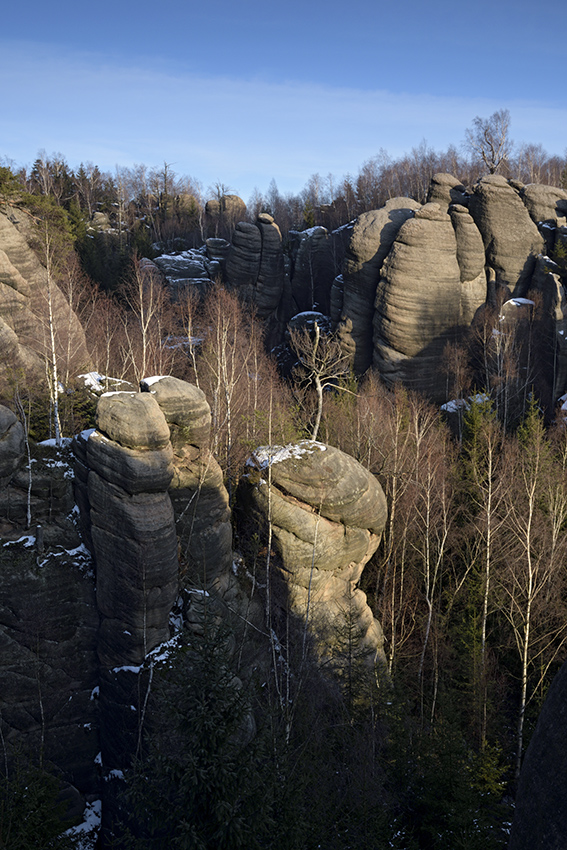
(240, 131)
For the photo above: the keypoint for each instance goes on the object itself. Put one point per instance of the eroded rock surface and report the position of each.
(511, 238)
(327, 514)
(313, 269)
(23, 303)
(422, 303)
(372, 237)
(540, 815)
(255, 263)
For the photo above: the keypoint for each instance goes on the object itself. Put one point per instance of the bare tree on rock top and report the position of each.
(488, 139)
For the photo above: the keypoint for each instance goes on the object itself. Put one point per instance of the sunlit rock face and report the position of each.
(24, 332)
(324, 514)
(372, 237)
(511, 238)
(422, 301)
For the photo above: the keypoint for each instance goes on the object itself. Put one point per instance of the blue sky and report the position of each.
(243, 92)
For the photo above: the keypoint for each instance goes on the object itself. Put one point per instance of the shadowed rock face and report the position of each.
(149, 493)
(11, 444)
(511, 238)
(197, 492)
(48, 618)
(327, 515)
(255, 263)
(422, 302)
(540, 816)
(313, 269)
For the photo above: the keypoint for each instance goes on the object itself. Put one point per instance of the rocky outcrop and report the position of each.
(325, 514)
(197, 492)
(23, 300)
(11, 444)
(540, 815)
(372, 237)
(511, 238)
(255, 264)
(312, 269)
(48, 618)
(151, 497)
(545, 203)
(444, 189)
(547, 281)
(129, 467)
(422, 303)
(48, 664)
(228, 207)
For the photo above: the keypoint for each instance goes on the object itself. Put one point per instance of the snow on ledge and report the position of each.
(148, 382)
(266, 456)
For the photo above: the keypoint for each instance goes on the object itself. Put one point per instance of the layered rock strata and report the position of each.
(255, 263)
(511, 238)
(427, 294)
(324, 514)
(372, 237)
(23, 304)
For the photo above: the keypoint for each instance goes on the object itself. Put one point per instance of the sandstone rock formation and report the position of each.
(48, 618)
(312, 269)
(146, 443)
(371, 239)
(186, 270)
(326, 514)
(511, 238)
(23, 287)
(444, 189)
(545, 203)
(198, 495)
(422, 301)
(230, 207)
(129, 467)
(11, 444)
(540, 815)
(255, 264)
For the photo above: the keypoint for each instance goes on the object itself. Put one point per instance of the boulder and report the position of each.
(545, 203)
(325, 514)
(444, 189)
(372, 237)
(185, 408)
(511, 238)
